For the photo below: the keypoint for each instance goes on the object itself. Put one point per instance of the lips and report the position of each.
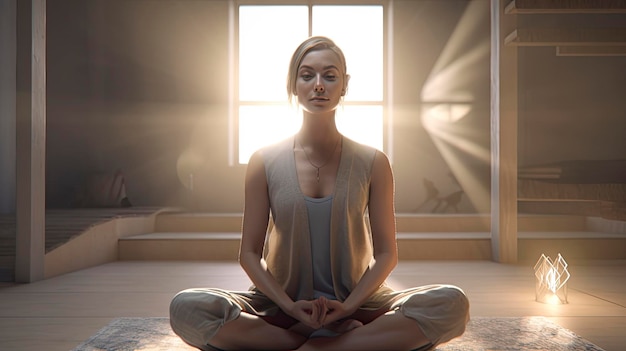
(319, 98)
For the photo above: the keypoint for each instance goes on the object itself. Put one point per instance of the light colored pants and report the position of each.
(442, 311)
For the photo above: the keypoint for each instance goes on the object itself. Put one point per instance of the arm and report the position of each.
(255, 222)
(383, 225)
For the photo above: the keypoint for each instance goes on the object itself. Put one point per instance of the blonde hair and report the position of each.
(311, 44)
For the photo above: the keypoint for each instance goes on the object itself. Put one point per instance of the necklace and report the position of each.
(317, 168)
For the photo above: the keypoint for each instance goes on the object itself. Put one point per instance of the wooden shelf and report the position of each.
(565, 6)
(567, 37)
(585, 51)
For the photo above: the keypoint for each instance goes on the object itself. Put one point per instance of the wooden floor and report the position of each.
(61, 312)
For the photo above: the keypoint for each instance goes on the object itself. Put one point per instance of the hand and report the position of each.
(334, 311)
(310, 313)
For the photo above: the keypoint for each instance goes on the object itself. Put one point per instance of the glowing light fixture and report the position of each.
(551, 282)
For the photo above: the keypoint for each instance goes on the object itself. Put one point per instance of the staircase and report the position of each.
(202, 236)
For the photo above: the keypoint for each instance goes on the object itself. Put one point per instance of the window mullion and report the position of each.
(310, 20)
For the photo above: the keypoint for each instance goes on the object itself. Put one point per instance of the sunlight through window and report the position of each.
(267, 37)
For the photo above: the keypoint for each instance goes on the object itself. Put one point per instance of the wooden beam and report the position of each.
(503, 137)
(586, 51)
(31, 140)
(567, 37)
(534, 7)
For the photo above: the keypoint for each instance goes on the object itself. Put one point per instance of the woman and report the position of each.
(319, 282)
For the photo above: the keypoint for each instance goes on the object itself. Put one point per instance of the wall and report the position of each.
(133, 85)
(441, 60)
(142, 86)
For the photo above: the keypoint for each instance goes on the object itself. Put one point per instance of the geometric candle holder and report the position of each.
(551, 282)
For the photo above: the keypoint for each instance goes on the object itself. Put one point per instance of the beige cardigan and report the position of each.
(288, 249)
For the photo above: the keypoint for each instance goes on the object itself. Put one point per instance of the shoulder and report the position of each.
(370, 156)
(358, 150)
(381, 166)
(272, 162)
(375, 160)
(272, 151)
(267, 155)
(255, 170)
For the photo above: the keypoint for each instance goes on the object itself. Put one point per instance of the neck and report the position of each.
(318, 130)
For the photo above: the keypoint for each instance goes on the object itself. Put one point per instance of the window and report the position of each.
(267, 37)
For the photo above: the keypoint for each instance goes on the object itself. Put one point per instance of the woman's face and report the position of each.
(321, 82)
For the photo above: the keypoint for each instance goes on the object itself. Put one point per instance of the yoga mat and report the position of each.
(482, 334)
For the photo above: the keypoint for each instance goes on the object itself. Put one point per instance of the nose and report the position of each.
(319, 86)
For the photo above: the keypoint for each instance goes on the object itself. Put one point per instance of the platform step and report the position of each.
(198, 222)
(218, 246)
(206, 236)
(209, 222)
(183, 246)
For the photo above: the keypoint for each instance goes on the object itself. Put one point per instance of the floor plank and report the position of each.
(61, 312)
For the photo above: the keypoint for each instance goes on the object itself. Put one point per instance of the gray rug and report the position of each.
(482, 334)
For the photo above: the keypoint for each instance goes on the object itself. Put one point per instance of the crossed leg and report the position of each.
(390, 331)
(368, 330)
(250, 332)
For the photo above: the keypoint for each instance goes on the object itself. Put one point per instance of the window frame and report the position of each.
(233, 70)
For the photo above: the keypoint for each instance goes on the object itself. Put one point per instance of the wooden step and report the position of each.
(481, 223)
(444, 246)
(197, 246)
(551, 223)
(442, 223)
(180, 246)
(198, 222)
(213, 246)
(572, 245)
(210, 222)
(574, 207)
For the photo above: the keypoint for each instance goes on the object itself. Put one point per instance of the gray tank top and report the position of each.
(319, 210)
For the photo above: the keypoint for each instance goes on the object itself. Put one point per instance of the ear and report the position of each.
(345, 85)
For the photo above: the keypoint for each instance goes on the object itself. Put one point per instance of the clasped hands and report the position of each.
(319, 313)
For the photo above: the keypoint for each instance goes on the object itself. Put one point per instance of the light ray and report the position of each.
(449, 99)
